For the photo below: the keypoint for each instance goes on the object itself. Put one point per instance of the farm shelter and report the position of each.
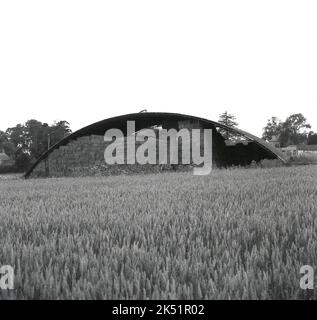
(5, 160)
(82, 152)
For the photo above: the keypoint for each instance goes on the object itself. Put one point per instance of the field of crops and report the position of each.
(235, 234)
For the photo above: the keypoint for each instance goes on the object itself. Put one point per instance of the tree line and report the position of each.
(24, 143)
(293, 131)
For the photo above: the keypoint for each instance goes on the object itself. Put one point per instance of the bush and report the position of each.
(8, 169)
(305, 158)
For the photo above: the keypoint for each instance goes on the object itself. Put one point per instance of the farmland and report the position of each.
(235, 234)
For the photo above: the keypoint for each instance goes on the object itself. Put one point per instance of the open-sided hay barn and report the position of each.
(82, 152)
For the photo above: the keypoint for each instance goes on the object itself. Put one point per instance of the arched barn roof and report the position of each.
(145, 120)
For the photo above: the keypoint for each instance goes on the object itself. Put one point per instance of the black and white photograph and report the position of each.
(158, 151)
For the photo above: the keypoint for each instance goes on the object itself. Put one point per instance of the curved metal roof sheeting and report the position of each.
(148, 119)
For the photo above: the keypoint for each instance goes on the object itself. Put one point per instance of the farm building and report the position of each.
(275, 141)
(290, 151)
(307, 149)
(300, 150)
(5, 160)
(82, 152)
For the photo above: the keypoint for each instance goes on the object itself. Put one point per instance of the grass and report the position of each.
(235, 234)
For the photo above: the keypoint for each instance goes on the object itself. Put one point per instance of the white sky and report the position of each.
(84, 61)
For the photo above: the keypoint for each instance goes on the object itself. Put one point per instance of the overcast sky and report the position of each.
(84, 61)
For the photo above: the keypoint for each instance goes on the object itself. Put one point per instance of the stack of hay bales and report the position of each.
(85, 157)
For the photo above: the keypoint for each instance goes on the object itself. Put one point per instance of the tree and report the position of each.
(23, 161)
(312, 138)
(228, 120)
(3, 139)
(297, 123)
(6, 145)
(17, 136)
(28, 141)
(15, 153)
(36, 137)
(291, 131)
(272, 128)
(58, 131)
(294, 130)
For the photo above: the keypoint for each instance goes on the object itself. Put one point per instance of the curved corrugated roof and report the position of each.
(148, 119)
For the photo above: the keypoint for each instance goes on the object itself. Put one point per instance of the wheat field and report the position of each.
(235, 234)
